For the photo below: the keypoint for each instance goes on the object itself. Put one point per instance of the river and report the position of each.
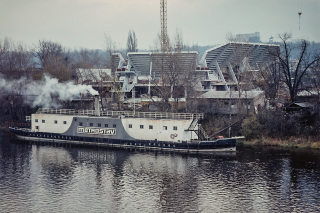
(40, 178)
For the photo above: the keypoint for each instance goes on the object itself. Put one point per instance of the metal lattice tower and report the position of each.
(163, 17)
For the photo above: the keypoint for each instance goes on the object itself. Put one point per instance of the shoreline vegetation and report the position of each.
(292, 142)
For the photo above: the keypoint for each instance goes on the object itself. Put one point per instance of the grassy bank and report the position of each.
(292, 142)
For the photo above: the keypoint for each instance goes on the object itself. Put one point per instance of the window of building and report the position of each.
(114, 125)
(175, 128)
(130, 126)
(99, 125)
(165, 127)
(91, 124)
(141, 126)
(43, 121)
(36, 120)
(55, 121)
(150, 127)
(80, 124)
(64, 122)
(106, 125)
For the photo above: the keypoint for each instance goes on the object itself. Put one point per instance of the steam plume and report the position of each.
(45, 92)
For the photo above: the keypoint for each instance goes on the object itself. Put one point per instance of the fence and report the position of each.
(156, 115)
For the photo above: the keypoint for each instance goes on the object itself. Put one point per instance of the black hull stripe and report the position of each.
(204, 146)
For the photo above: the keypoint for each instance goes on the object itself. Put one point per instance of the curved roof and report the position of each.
(235, 52)
(146, 63)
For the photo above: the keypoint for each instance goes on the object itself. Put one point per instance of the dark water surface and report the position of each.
(37, 178)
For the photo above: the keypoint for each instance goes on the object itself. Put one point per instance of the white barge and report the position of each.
(125, 129)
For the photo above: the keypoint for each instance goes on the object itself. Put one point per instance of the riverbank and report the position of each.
(292, 142)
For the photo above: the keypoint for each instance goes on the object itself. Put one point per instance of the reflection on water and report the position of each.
(35, 178)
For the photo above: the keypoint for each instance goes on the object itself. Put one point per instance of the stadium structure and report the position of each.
(144, 76)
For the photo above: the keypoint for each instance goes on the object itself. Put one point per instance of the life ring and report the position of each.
(172, 136)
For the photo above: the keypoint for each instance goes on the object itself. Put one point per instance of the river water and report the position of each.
(39, 178)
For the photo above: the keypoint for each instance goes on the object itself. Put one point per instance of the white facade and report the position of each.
(50, 123)
(160, 129)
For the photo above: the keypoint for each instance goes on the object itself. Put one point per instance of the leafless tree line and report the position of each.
(177, 81)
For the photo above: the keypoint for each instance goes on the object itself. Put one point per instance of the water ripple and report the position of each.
(55, 179)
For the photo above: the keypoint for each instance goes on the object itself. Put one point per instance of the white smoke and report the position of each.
(2, 83)
(45, 93)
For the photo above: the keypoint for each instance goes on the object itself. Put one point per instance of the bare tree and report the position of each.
(7, 62)
(15, 62)
(270, 78)
(110, 46)
(295, 68)
(54, 60)
(85, 58)
(176, 74)
(15, 59)
(8, 56)
(116, 93)
(231, 37)
(132, 42)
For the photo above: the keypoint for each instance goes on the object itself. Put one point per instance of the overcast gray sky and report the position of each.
(83, 23)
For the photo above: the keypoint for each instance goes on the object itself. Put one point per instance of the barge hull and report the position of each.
(219, 145)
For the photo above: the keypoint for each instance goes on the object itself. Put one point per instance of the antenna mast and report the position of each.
(299, 13)
(163, 18)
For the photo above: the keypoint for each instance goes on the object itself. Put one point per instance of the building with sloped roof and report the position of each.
(249, 37)
(231, 102)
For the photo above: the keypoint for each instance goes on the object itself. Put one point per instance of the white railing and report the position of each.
(156, 115)
(65, 111)
(56, 111)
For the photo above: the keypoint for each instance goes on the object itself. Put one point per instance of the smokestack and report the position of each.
(96, 105)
